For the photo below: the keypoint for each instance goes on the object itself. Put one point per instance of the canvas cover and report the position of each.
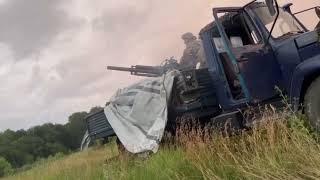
(138, 114)
(85, 141)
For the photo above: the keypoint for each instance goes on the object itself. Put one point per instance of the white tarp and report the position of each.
(138, 114)
(85, 141)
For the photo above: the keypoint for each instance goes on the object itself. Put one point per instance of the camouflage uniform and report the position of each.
(194, 53)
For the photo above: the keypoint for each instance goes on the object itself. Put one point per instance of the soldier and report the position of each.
(193, 53)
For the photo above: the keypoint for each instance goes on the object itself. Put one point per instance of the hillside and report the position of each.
(280, 148)
(84, 165)
(21, 148)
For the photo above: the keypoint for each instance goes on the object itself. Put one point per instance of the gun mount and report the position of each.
(140, 70)
(149, 71)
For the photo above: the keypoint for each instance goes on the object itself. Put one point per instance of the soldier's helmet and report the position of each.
(187, 37)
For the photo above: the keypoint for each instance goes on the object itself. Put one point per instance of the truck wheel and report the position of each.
(312, 104)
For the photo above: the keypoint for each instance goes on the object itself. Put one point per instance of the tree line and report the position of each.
(18, 148)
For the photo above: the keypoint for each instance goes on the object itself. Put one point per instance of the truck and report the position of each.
(255, 55)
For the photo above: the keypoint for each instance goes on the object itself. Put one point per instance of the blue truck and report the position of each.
(254, 55)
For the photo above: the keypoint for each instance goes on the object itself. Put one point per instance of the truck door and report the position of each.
(260, 70)
(256, 61)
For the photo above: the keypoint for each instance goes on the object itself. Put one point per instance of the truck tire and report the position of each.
(312, 104)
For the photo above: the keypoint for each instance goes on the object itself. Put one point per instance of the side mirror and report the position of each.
(318, 11)
(287, 7)
(271, 7)
(318, 14)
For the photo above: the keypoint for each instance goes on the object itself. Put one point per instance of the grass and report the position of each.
(279, 148)
(78, 166)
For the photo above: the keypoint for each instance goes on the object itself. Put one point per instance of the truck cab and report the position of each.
(254, 55)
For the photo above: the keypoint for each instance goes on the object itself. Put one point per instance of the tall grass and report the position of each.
(79, 166)
(279, 147)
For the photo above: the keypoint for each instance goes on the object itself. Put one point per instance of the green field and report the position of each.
(280, 148)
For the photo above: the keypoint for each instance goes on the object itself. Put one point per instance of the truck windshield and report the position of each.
(285, 26)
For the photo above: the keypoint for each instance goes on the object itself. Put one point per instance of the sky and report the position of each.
(54, 53)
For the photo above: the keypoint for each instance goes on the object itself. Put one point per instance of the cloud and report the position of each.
(29, 26)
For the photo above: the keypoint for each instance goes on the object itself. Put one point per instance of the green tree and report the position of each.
(76, 127)
(26, 146)
(17, 157)
(95, 109)
(5, 167)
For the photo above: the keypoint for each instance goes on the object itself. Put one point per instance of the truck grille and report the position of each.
(98, 126)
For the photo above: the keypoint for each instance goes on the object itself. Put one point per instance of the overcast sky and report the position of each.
(54, 53)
